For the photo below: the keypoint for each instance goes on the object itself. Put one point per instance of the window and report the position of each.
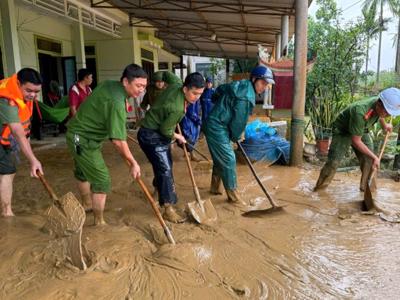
(48, 45)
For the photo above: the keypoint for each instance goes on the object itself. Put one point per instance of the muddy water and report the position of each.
(320, 247)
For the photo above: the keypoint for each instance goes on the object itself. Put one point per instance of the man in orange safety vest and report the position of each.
(17, 94)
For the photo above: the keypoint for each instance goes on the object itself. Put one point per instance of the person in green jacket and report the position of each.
(154, 89)
(101, 117)
(158, 129)
(351, 129)
(226, 123)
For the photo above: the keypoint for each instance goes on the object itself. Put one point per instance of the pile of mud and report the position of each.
(319, 247)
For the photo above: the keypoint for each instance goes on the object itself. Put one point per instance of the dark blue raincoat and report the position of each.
(206, 103)
(191, 124)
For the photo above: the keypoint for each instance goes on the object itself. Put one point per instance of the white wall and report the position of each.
(31, 23)
(112, 54)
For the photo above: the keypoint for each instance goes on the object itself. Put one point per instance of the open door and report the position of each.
(69, 72)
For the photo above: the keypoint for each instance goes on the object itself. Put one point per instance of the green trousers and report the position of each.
(89, 164)
(338, 149)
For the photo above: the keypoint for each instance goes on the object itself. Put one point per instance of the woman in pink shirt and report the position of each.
(80, 90)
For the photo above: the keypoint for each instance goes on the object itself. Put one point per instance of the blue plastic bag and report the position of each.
(257, 131)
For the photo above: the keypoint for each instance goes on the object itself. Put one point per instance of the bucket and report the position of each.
(280, 126)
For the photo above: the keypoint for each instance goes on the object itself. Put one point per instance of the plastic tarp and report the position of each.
(263, 143)
(56, 114)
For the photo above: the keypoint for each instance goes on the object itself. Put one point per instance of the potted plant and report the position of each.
(323, 112)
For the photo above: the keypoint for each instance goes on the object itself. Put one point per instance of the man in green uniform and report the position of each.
(351, 129)
(17, 94)
(153, 90)
(226, 123)
(103, 117)
(158, 129)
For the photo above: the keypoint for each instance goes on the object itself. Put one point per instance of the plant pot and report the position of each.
(309, 149)
(323, 146)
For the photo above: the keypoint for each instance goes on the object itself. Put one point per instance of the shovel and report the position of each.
(66, 218)
(167, 231)
(202, 210)
(368, 197)
(260, 207)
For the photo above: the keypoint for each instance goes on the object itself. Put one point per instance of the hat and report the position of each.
(391, 100)
(158, 76)
(209, 79)
(262, 72)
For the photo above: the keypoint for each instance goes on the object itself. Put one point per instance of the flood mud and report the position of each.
(320, 247)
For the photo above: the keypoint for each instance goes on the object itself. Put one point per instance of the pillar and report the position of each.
(278, 47)
(299, 95)
(137, 56)
(79, 44)
(10, 37)
(227, 70)
(284, 34)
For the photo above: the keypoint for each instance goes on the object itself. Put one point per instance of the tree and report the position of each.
(340, 52)
(394, 7)
(372, 28)
(397, 66)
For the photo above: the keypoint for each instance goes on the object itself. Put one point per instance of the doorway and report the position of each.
(1, 66)
(149, 68)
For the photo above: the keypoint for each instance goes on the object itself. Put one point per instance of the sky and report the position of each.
(352, 10)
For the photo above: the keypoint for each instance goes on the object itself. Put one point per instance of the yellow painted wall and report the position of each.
(31, 23)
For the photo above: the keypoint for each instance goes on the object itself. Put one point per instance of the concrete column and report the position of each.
(170, 66)
(300, 65)
(79, 44)
(137, 56)
(181, 66)
(10, 37)
(278, 48)
(284, 34)
(156, 60)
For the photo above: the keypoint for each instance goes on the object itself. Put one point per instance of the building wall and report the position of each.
(31, 23)
(112, 55)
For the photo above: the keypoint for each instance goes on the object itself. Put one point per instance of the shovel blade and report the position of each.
(260, 206)
(66, 216)
(203, 211)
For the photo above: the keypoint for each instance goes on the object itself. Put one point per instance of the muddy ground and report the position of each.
(319, 247)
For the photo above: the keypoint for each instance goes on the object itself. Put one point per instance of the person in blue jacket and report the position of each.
(190, 125)
(206, 99)
(226, 122)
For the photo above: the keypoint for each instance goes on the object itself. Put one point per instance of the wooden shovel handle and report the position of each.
(195, 188)
(153, 204)
(133, 140)
(47, 186)
(373, 172)
(156, 210)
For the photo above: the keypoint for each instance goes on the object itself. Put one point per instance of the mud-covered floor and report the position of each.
(319, 247)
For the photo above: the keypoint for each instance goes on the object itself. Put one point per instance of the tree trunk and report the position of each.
(397, 67)
(378, 69)
(366, 65)
(396, 163)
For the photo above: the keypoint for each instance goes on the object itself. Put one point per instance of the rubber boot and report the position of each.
(216, 187)
(87, 202)
(98, 218)
(171, 215)
(325, 177)
(233, 196)
(193, 157)
(366, 167)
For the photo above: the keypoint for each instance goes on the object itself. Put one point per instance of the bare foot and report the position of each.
(7, 214)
